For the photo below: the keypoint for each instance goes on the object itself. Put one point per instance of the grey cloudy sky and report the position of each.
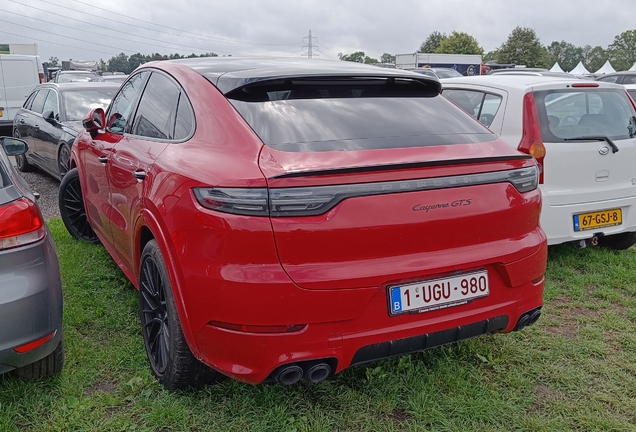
(93, 29)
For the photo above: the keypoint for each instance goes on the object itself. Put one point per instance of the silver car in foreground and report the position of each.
(31, 337)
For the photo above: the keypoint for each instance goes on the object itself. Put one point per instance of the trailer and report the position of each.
(20, 49)
(466, 64)
(89, 65)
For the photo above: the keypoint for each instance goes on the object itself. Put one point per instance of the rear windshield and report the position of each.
(355, 115)
(583, 113)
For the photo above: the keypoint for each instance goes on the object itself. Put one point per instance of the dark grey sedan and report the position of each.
(51, 118)
(31, 338)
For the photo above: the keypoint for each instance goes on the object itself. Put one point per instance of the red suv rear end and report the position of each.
(320, 215)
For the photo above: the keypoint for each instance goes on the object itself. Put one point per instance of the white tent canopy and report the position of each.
(606, 68)
(579, 70)
(556, 68)
(633, 68)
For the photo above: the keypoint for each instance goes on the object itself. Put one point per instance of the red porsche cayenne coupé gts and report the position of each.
(284, 219)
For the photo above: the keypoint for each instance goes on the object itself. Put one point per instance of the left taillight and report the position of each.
(20, 224)
(42, 78)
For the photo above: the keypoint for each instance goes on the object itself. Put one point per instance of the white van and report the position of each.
(19, 74)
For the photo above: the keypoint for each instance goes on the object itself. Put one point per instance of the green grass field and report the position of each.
(574, 370)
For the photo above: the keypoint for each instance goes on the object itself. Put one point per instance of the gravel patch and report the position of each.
(48, 188)
(42, 183)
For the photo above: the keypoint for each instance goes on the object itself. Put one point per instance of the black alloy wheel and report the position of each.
(63, 160)
(72, 208)
(21, 161)
(170, 357)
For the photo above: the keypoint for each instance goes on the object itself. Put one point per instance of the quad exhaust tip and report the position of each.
(528, 319)
(313, 371)
(289, 375)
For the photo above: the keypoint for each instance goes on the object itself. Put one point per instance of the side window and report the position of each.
(122, 105)
(482, 106)
(467, 100)
(51, 104)
(632, 93)
(155, 115)
(184, 124)
(630, 79)
(609, 79)
(38, 102)
(489, 108)
(29, 101)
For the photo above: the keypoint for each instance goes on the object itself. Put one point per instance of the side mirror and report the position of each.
(49, 117)
(13, 146)
(95, 120)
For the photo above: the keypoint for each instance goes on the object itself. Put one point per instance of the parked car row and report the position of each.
(284, 219)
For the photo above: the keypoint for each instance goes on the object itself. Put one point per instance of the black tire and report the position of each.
(171, 360)
(72, 208)
(21, 161)
(63, 160)
(49, 365)
(620, 241)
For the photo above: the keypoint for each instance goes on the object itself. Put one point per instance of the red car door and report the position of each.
(97, 155)
(131, 172)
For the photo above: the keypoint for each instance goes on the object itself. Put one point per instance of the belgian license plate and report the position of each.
(601, 219)
(438, 293)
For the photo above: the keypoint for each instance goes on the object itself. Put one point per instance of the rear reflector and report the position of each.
(316, 200)
(20, 224)
(33, 345)
(583, 85)
(258, 329)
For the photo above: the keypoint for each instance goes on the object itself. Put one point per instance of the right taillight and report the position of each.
(20, 224)
(531, 140)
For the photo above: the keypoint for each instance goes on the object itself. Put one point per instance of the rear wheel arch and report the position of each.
(149, 228)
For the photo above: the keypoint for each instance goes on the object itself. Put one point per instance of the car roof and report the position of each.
(617, 73)
(519, 82)
(230, 73)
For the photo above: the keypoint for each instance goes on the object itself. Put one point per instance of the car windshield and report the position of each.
(76, 77)
(79, 103)
(575, 113)
(343, 116)
(447, 73)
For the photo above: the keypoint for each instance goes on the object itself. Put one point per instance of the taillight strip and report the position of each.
(315, 200)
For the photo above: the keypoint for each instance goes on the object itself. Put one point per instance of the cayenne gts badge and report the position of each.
(456, 203)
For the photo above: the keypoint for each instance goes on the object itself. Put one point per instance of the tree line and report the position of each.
(127, 64)
(522, 47)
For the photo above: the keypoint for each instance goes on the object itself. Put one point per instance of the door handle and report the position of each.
(139, 175)
(103, 159)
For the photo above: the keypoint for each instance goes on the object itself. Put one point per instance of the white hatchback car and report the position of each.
(582, 133)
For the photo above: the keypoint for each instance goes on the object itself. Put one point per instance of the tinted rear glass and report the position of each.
(364, 115)
(579, 113)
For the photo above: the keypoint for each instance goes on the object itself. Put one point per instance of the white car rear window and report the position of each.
(567, 114)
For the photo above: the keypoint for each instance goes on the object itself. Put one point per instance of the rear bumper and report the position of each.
(252, 357)
(557, 220)
(30, 302)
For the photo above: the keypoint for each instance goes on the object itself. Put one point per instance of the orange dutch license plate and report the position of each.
(601, 219)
